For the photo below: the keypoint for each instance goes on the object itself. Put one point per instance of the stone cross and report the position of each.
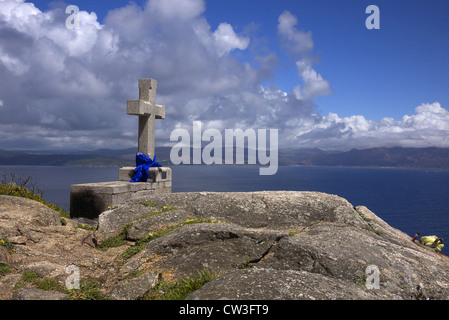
(148, 111)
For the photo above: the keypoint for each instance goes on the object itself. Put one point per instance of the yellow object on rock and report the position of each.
(430, 241)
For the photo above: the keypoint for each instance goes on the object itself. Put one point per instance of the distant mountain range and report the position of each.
(376, 157)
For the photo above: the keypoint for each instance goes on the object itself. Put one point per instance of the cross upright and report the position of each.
(148, 111)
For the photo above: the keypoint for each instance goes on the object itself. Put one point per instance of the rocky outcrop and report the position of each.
(34, 240)
(261, 245)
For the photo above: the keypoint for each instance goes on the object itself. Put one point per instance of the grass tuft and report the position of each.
(181, 289)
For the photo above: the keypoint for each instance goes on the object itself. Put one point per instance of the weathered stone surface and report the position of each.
(5, 257)
(135, 288)
(282, 210)
(46, 269)
(192, 248)
(310, 232)
(19, 213)
(91, 199)
(38, 294)
(47, 248)
(271, 284)
(274, 245)
(147, 110)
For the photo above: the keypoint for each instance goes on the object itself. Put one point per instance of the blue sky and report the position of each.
(346, 86)
(376, 73)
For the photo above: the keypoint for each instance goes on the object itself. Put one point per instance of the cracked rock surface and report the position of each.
(216, 247)
(285, 245)
(272, 245)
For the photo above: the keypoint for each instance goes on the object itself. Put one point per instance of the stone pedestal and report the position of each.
(91, 199)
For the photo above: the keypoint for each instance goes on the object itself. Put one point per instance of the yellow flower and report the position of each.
(150, 234)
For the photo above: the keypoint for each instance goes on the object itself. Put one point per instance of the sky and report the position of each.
(311, 69)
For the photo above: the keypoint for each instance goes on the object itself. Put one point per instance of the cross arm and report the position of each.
(143, 108)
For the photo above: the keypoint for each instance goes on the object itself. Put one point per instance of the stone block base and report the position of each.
(91, 199)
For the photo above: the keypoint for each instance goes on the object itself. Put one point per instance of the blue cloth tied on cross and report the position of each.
(143, 165)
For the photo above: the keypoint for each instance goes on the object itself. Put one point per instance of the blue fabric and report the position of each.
(143, 165)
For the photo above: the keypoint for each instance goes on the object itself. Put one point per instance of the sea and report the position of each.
(411, 200)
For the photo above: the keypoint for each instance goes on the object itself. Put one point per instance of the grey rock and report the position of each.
(45, 269)
(192, 248)
(5, 256)
(280, 210)
(135, 288)
(38, 294)
(274, 245)
(271, 284)
(314, 234)
(27, 213)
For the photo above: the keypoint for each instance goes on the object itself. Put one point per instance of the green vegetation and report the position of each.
(30, 277)
(363, 216)
(8, 245)
(151, 204)
(86, 227)
(90, 289)
(120, 239)
(26, 188)
(148, 203)
(155, 212)
(47, 284)
(246, 265)
(369, 228)
(180, 289)
(116, 241)
(4, 269)
(358, 279)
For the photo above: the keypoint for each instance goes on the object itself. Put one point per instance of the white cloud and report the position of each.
(227, 40)
(314, 84)
(295, 40)
(429, 126)
(300, 44)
